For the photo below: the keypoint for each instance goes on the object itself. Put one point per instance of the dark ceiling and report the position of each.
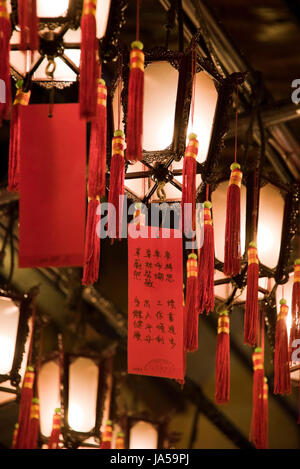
(268, 35)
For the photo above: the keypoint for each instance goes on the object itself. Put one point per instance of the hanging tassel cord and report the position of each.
(88, 61)
(206, 265)
(222, 394)
(134, 128)
(282, 383)
(191, 311)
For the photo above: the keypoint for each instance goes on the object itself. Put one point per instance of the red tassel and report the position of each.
(34, 425)
(25, 408)
(120, 441)
(191, 311)
(116, 185)
(257, 430)
(188, 203)
(223, 360)
(266, 415)
(282, 382)
(88, 61)
(107, 436)
(206, 295)
(134, 129)
(232, 252)
(14, 442)
(96, 187)
(28, 22)
(54, 437)
(295, 303)
(92, 244)
(97, 158)
(5, 88)
(251, 308)
(21, 99)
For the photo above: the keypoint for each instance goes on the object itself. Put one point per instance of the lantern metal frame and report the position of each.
(212, 172)
(158, 162)
(52, 43)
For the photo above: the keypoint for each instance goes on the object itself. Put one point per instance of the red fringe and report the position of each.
(282, 382)
(134, 129)
(191, 311)
(206, 265)
(54, 437)
(25, 410)
(97, 154)
(222, 394)
(251, 308)
(105, 445)
(296, 300)
(5, 33)
(88, 68)
(14, 151)
(266, 415)
(232, 253)
(34, 427)
(116, 186)
(92, 245)
(296, 294)
(28, 22)
(257, 429)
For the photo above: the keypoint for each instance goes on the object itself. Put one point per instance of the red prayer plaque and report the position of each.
(155, 305)
(52, 186)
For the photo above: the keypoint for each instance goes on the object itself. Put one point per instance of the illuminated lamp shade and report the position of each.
(9, 321)
(49, 394)
(271, 208)
(219, 198)
(83, 386)
(161, 81)
(143, 435)
(160, 92)
(52, 8)
(206, 97)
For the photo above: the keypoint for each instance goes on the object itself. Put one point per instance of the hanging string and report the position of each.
(120, 90)
(194, 69)
(282, 291)
(137, 20)
(207, 192)
(236, 122)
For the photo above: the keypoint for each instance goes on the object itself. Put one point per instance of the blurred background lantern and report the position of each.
(15, 314)
(143, 435)
(81, 387)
